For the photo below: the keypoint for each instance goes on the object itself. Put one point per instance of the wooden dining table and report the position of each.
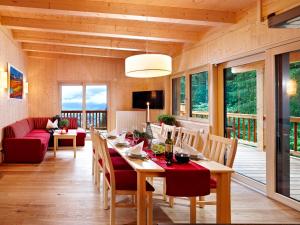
(148, 168)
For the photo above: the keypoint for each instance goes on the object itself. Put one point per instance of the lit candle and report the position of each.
(148, 112)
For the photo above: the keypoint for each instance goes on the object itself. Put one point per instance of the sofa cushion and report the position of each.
(72, 123)
(39, 131)
(30, 123)
(17, 130)
(40, 122)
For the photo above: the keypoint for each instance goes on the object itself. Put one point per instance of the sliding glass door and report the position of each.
(88, 103)
(243, 118)
(287, 124)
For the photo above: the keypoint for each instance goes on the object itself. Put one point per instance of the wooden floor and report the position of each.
(61, 191)
(251, 162)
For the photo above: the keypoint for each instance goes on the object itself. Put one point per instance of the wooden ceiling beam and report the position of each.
(114, 31)
(95, 42)
(71, 50)
(130, 11)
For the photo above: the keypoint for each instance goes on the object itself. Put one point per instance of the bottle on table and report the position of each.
(169, 149)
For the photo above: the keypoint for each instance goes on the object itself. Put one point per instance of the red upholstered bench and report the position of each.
(27, 140)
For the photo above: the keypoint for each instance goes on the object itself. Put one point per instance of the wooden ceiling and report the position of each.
(115, 28)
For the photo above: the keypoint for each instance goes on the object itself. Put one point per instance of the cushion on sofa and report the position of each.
(30, 123)
(72, 122)
(40, 122)
(17, 130)
(43, 131)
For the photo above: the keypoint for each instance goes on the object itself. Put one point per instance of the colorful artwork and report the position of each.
(15, 82)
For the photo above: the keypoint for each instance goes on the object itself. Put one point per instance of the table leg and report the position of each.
(74, 146)
(193, 203)
(55, 146)
(223, 198)
(141, 198)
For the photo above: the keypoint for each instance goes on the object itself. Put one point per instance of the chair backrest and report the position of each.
(107, 163)
(92, 132)
(220, 149)
(189, 137)
(166, 128)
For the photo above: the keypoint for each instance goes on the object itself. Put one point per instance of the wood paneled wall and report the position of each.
(242, 39)
(10, 52)
(45, 75)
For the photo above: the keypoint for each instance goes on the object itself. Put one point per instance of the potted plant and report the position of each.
(166, 119)
(64, 124)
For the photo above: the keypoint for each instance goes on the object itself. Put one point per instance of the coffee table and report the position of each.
(70, 135)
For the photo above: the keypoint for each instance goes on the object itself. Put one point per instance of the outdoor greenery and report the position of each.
(295, 102)
(199, 92)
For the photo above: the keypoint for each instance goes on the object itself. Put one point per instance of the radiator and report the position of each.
(130, 120)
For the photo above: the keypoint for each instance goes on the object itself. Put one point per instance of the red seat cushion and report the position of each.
(213, 183)
(113, 152)
(127, 180)
(118, 163)
(34, 131)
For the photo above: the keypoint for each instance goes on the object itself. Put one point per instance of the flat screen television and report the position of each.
(155, 98)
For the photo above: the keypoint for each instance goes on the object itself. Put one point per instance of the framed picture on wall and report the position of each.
(15, 82)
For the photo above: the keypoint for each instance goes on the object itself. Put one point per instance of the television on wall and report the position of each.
(155, 98)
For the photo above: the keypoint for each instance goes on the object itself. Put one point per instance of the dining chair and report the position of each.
(165, 129)
(190, 138)
(187, 136)
(118, 162)
(121, 182)
(92, 130)
(221, 150)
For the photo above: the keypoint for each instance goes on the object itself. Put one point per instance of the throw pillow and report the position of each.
(52, 125)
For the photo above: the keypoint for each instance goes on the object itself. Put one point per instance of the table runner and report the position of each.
(182, 180)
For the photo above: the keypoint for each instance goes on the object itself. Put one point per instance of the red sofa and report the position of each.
(27, 140)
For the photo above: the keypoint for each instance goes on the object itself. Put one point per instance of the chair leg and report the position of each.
(164, 190)
(201, 203)
(94, 172)
(193, 202)
(171, 201)
(93, 165)
(105, 195)
(150, 209)
(112, 208)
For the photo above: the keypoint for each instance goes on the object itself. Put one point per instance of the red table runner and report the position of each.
(182, 180)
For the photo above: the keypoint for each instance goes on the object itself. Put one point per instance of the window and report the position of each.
(178, 96)
(96, 98)
(88, 103)
(199, 95)
(71, 97)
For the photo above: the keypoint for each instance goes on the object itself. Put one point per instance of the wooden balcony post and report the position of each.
(239, 128)
(254, 132)
(295, 136)
(249, 129)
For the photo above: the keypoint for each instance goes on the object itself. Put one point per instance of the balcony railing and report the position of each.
(244, 127)
(96, 118)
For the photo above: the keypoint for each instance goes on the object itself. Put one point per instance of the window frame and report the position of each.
(190, 94)
(187, 74)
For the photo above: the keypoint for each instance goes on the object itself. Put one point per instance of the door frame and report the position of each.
(221, 109)
(270, 123)
(84, 84)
